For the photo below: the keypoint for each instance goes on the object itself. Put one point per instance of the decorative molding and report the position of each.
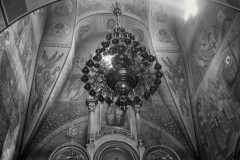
(69, 150)
(167, 50)
(91, 104)
(115, 131)
(55, 44)
(160, 152)
(115, 144)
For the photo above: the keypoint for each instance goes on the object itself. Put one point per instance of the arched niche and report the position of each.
(160, 152)
(115, 150)
(69, 151)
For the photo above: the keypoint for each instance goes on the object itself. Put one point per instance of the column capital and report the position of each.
(140, 140)
(91, 104)
(90, 139)
(137, 107)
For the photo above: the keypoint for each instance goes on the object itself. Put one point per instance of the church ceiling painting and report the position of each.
(60, 24)
(160, 27)
(2, 21)
(57, 99)
(208, 36)
(174, 71)
(48, 68)
(136, 8)
(14, 91)
(217, 100)
(13, 100)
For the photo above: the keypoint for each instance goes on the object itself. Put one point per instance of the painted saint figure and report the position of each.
(61, 9)
(164, 37)
(138, 33)
(177, 83)
(59, 29)
(110, 23)
(115, 116)
(161, 16)
(75, 89)
(44, 78)
(83, 30)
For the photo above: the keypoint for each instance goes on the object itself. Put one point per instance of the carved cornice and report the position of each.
(115, 131)
(55, 44)
(91, 104)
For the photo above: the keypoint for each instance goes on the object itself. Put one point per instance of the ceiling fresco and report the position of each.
(211, 56)
(18, 52)
(136, 8)
(195, 111)
(2, 22)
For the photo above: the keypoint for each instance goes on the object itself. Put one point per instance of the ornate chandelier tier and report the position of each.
(121, 68)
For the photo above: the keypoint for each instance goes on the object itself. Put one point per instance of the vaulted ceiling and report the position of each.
(195, 111)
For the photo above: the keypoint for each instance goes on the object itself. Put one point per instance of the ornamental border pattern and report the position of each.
(117, 144)
(119, 132)
(160, 147)
(65, 146)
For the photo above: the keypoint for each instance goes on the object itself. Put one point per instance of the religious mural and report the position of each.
(209, 35)
(160, 27)
(25, 42)
(160, 14)
(10, 110)
(85, 6)
(59, 24)
(84, 29)
(59, 30)
(136, 7)
(107, 23)
(45, 76)
(17, 45)
(74, 88)
(175, 74)
(138, 33)
(113, 116)
(163, 36)
(2, 22)
(62, 8)
(38, 18)
(217, 102)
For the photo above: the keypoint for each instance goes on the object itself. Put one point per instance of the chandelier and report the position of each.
(119, 72)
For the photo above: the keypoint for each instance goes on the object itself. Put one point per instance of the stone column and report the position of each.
(141, 146)
(91, 104)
